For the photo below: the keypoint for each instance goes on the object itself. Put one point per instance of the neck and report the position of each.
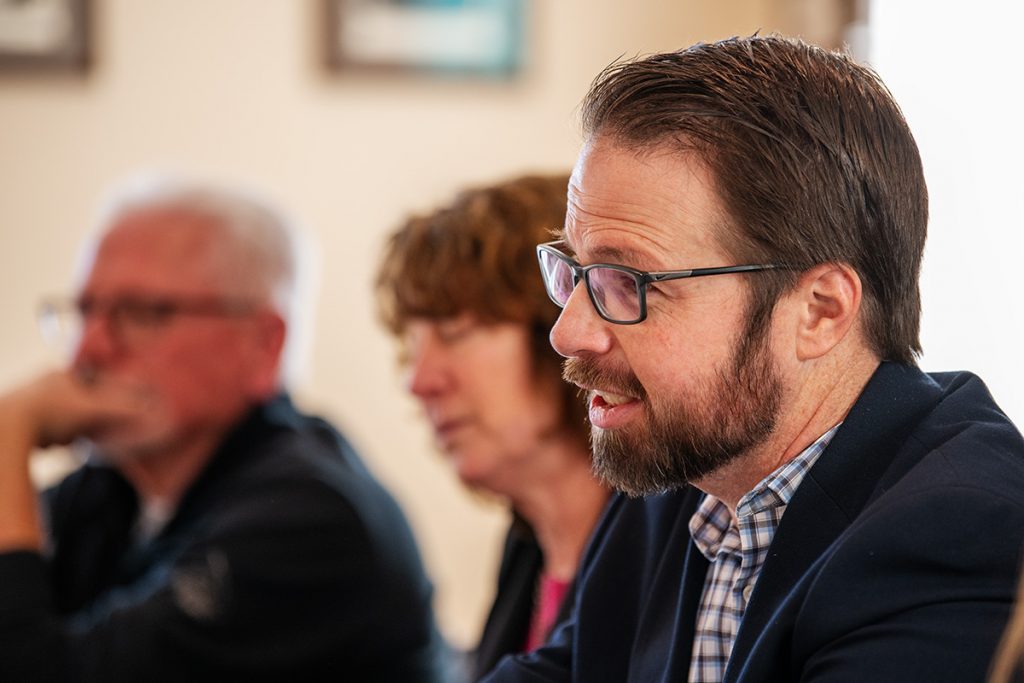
(562, 505)
(817, 402)
(164, 475)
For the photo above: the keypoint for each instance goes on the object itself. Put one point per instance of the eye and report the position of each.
(86, 307)
(455, 330)
(144, 313)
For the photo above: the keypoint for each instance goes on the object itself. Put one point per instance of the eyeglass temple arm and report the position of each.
(698, 272)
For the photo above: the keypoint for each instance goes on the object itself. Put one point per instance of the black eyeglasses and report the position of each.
(132, 319)
(619, 293)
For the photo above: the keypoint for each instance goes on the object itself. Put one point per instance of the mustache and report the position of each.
(584, 372)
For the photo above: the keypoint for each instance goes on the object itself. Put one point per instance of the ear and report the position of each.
(828, 299)
(266, 344)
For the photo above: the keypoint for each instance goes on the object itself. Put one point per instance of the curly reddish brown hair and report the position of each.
(477, 255)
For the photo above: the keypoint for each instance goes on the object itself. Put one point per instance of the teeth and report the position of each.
(614, 399)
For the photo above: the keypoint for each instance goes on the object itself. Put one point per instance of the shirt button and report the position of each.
(747, 590)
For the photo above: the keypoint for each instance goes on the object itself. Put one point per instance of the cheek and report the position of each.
(669, 354)
(528, 412)
(200, 377)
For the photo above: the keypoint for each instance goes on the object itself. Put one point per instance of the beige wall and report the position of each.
(230, 90)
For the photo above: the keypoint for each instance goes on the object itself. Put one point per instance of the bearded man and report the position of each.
(739, 277)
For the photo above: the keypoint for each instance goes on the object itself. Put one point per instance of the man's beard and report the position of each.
(684, 439)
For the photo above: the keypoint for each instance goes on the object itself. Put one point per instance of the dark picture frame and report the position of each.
(45, 35)
(483, 38)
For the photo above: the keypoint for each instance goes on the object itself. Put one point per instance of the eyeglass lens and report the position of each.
(63, 323)
(614, 292)
(61, 327)
(558, 277)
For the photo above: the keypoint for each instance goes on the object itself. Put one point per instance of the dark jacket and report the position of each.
(284, 561)
(508, 623)
(896, 559)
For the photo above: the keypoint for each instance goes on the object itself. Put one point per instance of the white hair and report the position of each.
(265, 252)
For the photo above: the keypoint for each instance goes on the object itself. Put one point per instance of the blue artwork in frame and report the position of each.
(456, 37)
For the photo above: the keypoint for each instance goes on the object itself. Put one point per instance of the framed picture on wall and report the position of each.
(453, 37)
(44, 34)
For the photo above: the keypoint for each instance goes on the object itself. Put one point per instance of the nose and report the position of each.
(427, 374)
(98, 342)
(579, 330)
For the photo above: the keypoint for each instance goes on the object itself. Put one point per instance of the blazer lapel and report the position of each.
(664, 638)
(835, 490)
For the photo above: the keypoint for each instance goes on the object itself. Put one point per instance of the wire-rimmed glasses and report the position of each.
(132, 319)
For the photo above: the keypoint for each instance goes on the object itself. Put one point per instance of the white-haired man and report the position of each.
(214, 531)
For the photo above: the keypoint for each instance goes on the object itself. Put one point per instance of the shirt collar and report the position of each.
(710, 523)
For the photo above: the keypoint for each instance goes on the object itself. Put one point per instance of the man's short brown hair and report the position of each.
(811, 156)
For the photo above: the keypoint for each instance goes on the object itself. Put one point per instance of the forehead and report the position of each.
(658, 208)
(157, 249)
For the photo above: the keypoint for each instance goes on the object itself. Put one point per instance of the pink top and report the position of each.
(550, 594)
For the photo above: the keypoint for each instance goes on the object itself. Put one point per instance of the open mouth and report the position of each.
(612, 399)
(609, 410)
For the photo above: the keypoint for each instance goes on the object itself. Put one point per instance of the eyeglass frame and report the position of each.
(642, 278)
(161, 309)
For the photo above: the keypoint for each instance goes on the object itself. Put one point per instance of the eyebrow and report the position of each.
(622, 256)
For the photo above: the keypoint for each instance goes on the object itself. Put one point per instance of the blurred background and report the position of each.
(353, 114)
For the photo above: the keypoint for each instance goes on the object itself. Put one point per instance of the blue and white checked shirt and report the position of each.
(737, 551)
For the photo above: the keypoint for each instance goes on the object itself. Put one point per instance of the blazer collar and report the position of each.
(836, 489)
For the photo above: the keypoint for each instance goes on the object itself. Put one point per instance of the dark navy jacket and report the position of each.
(896, 559)
(284, 561)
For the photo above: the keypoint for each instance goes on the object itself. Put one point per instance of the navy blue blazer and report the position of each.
(896, 559)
